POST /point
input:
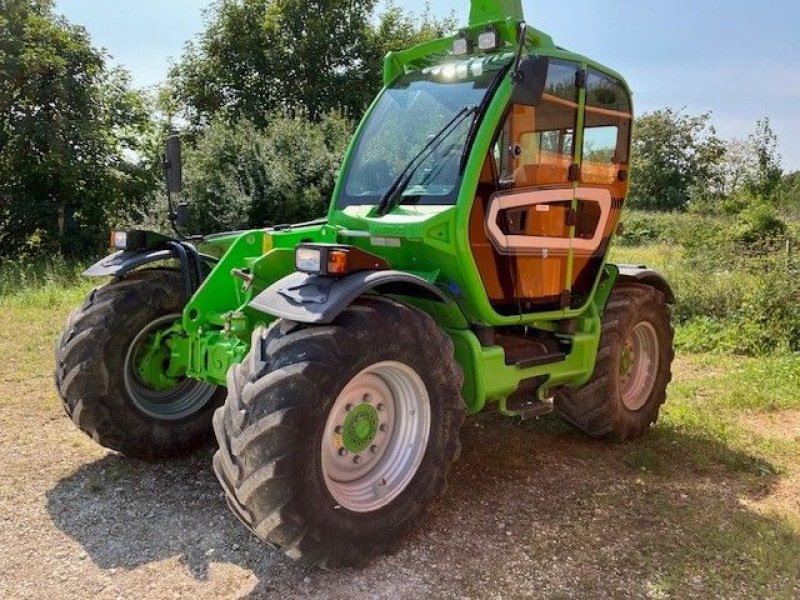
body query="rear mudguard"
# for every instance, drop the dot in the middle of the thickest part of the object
(641, 274)
(307, 298)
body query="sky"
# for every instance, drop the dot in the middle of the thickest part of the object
(734, 58)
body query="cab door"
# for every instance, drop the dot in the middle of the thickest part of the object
(603, 174)
(528, 220)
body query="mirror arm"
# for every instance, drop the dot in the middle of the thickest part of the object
(522, 34)
(172, 214)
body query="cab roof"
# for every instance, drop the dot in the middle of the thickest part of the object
(504, 16)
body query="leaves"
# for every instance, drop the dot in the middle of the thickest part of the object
(70, 130)
(300, 57)
(240, 176)
(673, 153)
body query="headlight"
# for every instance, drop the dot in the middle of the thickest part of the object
(334, 260)
(488, 40)
(308, 260)
(119, 240)
(461, 46)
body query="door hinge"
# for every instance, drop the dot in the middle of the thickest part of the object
(566, 299)
(574, 172)
(580, 79)
(570, 218)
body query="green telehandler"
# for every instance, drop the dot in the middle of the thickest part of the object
(461, 267)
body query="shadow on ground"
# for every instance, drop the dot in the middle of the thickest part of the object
(532, 509)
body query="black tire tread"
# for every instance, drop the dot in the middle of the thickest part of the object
(257, 428)
(592, 408)
(88, 383)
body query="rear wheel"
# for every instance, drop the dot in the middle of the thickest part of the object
(632, 370)
(111, 375)
(335, 439)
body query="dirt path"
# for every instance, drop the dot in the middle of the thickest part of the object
(533, 510)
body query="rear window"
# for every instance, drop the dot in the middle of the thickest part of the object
(606, 92)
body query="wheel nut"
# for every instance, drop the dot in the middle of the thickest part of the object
(373, 449)
(348, 407)
(342, 451)
(381, 406)
(384, 427)
(357, 459)
(366, 399)
(337, 429)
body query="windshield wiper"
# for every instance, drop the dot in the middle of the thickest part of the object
(399, 185)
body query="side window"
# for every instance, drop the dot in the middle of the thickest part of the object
(537, 144)
(606, 135)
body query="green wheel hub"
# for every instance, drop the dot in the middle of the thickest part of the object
(359, 428)
(150, 383)
(151, 363)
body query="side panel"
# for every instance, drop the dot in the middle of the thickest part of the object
(488, 379)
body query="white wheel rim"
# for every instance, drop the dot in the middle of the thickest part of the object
(371, 478)
(639, 365)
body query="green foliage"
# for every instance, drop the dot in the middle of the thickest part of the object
(642, 227)
(759, 224)
(23, 275)
(68, 129)
(764, 180)
(240, 176)
(735, 279)
(305, 57)
(674, 154)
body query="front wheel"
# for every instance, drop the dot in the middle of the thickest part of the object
(110, 370)
(335, 439)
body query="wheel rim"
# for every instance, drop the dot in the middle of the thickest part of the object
(179, 401)
(639, 365)
(375, 436)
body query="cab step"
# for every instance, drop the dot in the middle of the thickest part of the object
(531, 409)
(525, 349)
(524, 404)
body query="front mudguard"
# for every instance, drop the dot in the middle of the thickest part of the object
(318, 300)
(194, 266)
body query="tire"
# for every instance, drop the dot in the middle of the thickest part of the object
(96, 387)
(275, 429)
(612, 405)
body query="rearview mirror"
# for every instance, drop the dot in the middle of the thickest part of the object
(530, 80)
(173, 167)
(182, 214)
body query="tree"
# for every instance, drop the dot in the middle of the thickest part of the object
(241, 176)
(257, 58)
(398, 29)
(71, 134)
(675, 155)
(766, 173)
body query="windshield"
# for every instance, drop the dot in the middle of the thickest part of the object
(409, 114)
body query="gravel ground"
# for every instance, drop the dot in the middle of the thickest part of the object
(533, 510)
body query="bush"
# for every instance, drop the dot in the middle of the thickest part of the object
(238, 176)
(736, 279)
(759, 224)
(644, 227)
(737, 298)
(26, 274)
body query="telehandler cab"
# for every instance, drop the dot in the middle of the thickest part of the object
(461, 267)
